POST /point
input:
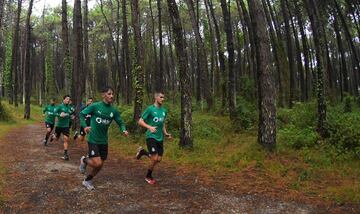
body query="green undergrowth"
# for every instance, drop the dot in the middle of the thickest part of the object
(302, 162)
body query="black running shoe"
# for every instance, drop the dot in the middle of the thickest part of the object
(65, 157)
(140, 153)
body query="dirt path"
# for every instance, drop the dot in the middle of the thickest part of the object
(38, 181)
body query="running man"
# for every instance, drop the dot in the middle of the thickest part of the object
(63, 113)
(153, 119)
(102, 114)
(81, 138)
(49, 113)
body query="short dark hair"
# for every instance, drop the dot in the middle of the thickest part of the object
(90, 98)
(66, 96)
(106, 89)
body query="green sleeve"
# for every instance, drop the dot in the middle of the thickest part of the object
(84, 112)
(45, 110)
(145, 114)
(119, 121)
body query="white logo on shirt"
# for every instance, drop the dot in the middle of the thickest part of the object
(111, 114)
(99, 112)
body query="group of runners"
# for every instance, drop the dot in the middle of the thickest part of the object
(95, 119)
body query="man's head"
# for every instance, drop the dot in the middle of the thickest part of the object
(89, 101)
(52, 101)
(108, 94)
(66, 99)
(159, 98)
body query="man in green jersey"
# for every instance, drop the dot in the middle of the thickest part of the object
(153, 119)
(63, 113)
(49, 113)
(102, 114)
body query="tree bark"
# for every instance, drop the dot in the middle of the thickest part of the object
(186, 140)
(266, 90)
(28, 71)
(290, 49)
(15, 59)
(139, 60)
(231, 59)
(78, 73)
(66, 47)
(202, 59)
(126, 54)
(313, 13)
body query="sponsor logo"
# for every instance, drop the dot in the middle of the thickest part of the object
(158, 119)
(111, 114)
(102, 121)
(92, 152)
(153, 149)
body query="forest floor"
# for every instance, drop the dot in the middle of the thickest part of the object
(37, 180)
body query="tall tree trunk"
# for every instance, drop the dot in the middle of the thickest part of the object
(86, 81)
(202, 59)
(28, 71)
(300, 69)
(78, 73)
(66, 65)
(186, 140)
(126, 54)
(267, 90)
(159, 75)
(343, 69)
(275, 47)
(114, 47)
(230, 50)
(290, 49)
(220, 54)
(356, 62)
(305, 48)
(139, 60)
(155, 64)
(252, 63)
(313, 13)
(15, 59)
(2, 50)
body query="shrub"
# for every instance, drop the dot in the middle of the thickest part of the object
(246, 114)
(345, 132)
(297, 138)
(4, 115)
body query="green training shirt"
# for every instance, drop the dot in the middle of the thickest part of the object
(154, 116)
(63, 122)
(102, 115)
(49, 112)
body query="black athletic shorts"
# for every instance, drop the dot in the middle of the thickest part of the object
(98, 150)
(82, 131)
(62, 130)
(49, 125)
(154, 146)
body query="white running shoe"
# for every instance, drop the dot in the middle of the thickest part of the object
(88, 185)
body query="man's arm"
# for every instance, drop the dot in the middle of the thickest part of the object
(83, 114)
(165, 131)
(120, 123)
(142, 123)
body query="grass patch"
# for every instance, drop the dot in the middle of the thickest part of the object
(301, 163)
